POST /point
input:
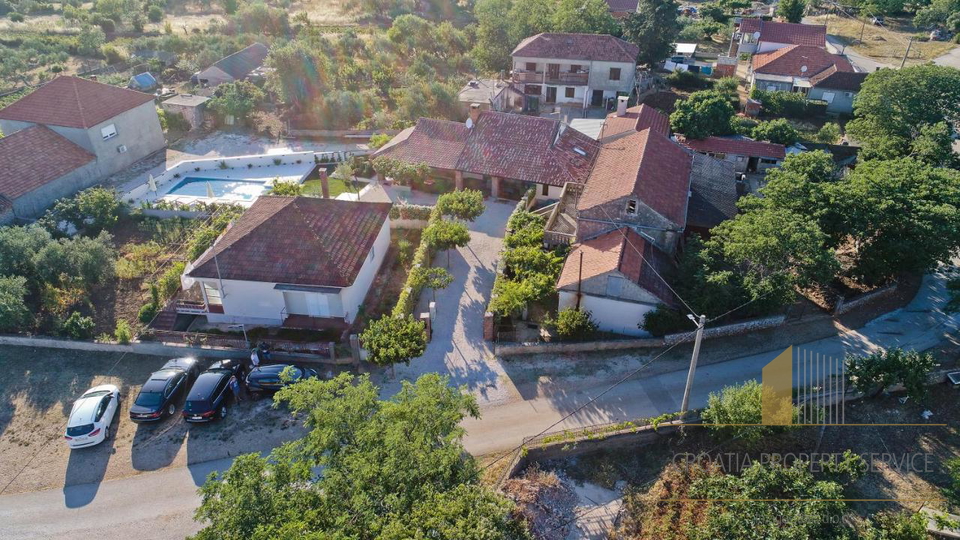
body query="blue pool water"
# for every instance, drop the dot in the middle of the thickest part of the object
(243, 190)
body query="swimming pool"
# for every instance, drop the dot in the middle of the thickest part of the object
(222, 188)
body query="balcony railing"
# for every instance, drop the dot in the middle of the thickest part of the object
(563, 77)
(568, 77)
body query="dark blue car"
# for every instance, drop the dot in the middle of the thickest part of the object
(210, 394)
(159, 396)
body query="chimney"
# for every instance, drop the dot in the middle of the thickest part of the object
(622, 105)
(324, 183)
(474, 114)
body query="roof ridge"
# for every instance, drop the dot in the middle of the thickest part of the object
(76, 94)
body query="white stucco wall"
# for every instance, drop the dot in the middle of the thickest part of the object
(610, 315)
(354, 295)
(553, 192)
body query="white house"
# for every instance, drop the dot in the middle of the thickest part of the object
(293, 261)
(607, 276)
(582, 70)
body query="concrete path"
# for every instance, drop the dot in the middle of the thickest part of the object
(457, 348)
(951, 59)
(160, 505)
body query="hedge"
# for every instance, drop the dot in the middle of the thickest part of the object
(410, 211)
(521, 207)
(410, 293)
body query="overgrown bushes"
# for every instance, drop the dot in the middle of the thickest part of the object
(787, 104)
(412, 287)
(874, 373)
(410, 211)
(573, 325)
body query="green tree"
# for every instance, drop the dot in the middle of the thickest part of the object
(897, 216)
(654, 29)
(90, 40)
(433, 278)
(82, 261)
(934, 145)
(286, 189)
(14, 313)
(703, 114)
(791, 10)
(390, 340)
(584, 17)
(465, 204)
(367, 469)
(493, 43)
(444, 235)
(874, 373)
(18, 246)
(155, 14)
(237, 99)
(776, 131)
(99, 209)
(894, 526)
(894, 104)
(529, 18)
(737, 411)
(777, 250)
(510, 297)
(828, 134)
(377, 140)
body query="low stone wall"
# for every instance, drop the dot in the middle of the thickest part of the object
(514, 349)
(729, 330)
(159, 349)
(845, 306)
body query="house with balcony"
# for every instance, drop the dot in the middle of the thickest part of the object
(754, 35)
(580, 70)
(794, 68)
(299, 262)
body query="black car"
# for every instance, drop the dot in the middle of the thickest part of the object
(208, 398)
(270, 378)
(163, 390)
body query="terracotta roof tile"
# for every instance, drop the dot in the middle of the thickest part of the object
(513, 146)
(73, 102)
(788, 33)
(838, 80)
(645, 164)
(736, 145)
(598, 47)
(791, 61)
(637, 118)
(297, 241)
(32, 157)
(623, 251)
(622, 6)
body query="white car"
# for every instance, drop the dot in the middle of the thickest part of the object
(91, 416)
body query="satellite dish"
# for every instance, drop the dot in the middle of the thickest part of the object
(756, 35)
(803, 69)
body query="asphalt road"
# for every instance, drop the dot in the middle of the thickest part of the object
(160, 504)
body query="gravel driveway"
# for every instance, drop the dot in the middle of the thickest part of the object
(457, 348)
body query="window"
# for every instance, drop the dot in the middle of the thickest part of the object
(828, 97)
(768, 161)
(214, 297)
(575, 68)
(614, 285)
(631, 207)
(614, 74)
(545, 191)
(108, 132)
(531, 66)
(568, 92)
(739, 159)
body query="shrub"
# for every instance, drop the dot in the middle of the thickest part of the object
(390, 340)
(874, 373)
(155, 14)
(123, 333)
(734, 406)
(828, 134)
(510, 297)
(14, 313)
(776, 131)
(77, 326)
(171, 121)
(404, 252)
(286, 189)
(786, 104)
(410, 211)
(574, 324)
(687, 80)
(464, 204)
(148, 312)
(16, 17)
(106, 24)
(377, 140)
(169, 282)
(952, 492)
(138, 22)
(663, 320)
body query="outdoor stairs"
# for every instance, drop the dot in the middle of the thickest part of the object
(546, 210)
(165, 320)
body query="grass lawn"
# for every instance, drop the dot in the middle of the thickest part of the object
(312, 187)
(886, 44)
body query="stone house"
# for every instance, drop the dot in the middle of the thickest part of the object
(235, 67)
(191, 107)
(754, 35)
(792, 69)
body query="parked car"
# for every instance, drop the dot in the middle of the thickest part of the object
(210, 394)
(91, 416)
(269, 378)
(877, 21)
(159, 396)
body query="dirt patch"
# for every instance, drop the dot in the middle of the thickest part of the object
(545, 501)
(886, 44)
(389, 282)
(38, 388)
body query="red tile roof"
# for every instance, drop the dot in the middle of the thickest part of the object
(835, 79)
(798, 61)
(73, 102)
(647, 165)
(622, 6)
(598, 47)
(736, 145)
(35, 156)
(637, 118)
(514, 146)
(788, 33)
(296, 241)
(624, 251)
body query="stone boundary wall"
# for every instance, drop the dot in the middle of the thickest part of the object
(845, 306)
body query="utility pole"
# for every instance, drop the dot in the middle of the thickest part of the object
(904, 61)
(862, 28)
(693, 363)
